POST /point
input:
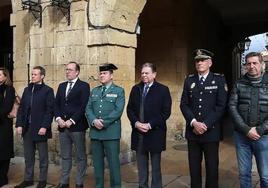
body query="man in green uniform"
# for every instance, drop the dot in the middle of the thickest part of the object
(103, 112)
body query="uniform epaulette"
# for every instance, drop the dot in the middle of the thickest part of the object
(190, 75)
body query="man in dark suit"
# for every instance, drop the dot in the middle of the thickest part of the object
(203, 103)
(148, 109)
(103, 112)
(71, 101)
(34, 120)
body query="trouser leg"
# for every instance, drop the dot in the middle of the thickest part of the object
(81, 157)
(43, 160)
(112, 150)
(97, 151)
(29, 156)
(66, 156)
(195, 159)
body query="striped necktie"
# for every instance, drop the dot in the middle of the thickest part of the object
(70, 88)
(145, 91)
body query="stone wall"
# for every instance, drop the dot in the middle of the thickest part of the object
(100, 31)
(103, 31)
(169, 54)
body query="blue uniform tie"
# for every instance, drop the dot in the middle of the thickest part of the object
(202, 80)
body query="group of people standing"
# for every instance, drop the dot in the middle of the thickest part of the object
(75, 108)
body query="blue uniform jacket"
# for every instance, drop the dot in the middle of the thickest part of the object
(206, 103)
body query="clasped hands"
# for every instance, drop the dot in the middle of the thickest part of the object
(142, 127)
(63, 124)
(98, 123)
(199, 127)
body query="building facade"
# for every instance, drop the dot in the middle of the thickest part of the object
(99, 31)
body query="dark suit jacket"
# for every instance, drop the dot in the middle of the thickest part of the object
(36, 111)
(206, 103)
(7, 97)
(157, 109)
(73, 106)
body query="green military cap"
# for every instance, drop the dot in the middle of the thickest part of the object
(107, 67)
(202, 54)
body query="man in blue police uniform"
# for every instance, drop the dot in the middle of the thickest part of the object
(203, 103)
(104, 109)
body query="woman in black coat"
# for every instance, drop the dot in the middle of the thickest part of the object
(7, 97)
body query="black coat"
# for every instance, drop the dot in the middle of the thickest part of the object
(74, 106)
(206, 103)
(248, 105)
(157, 109)
(6, 124)
(36, 111)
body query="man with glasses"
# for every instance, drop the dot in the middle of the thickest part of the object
(203, 103)
(71, 101)
(248, 107)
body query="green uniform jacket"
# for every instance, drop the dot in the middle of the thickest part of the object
(108, 107)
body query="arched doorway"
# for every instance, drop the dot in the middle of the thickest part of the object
(6, 36)
(169, 32)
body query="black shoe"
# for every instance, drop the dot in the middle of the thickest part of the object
(63, 186)
(79, 186)
(41, 184)
(24, 184)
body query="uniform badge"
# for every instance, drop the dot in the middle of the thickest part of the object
(192, 85)
(111, 95)
(225, 87)
(213, 82)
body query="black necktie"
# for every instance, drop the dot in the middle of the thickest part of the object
(103, 90)
(70, 88)
(202, 80)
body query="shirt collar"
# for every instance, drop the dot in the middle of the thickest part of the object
(150, 84)
(73, 81)
(107, 85)
(204, 76)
